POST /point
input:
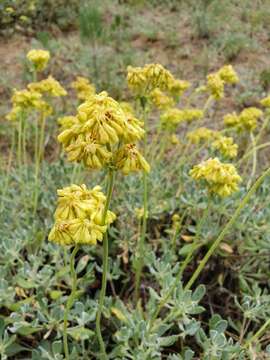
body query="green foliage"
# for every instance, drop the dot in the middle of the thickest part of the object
(27, 15)
(90, 21)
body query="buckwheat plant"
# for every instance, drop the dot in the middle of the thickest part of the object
(101, 136)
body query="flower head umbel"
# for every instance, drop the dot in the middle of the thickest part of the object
(246, 120)
(178, 87)
(216, 81)
(221, 179)
(26, 100)
(215, 85)
(83, 88)
(228, 74)
(48, 86)
(200, 135)
(98, 129)
(67, 122)
(79, 216)
(143, 80)
(39, 58)
(225, 145)
(172, 117)
(161, 100)
(129, 159)
(266, 102)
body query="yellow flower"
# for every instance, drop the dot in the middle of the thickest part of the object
(266, 102)
(246, 120)
(48, 86)
(25, 99)
(136, 79)
(127, 107)
(192, 114)
(9, 10)
(228, 74)
(67, 122)
(143, 80)
(95, 134)
(85, 149)
(225, 145)
(161, 100)
(172, 117)
(249, 117)
(200, 134)
(79, 216)
(215, 85)
(14, 114)
(231, 120)
(83, 88)
(178, 87)
(158, 76)
(174, 139)
(176, 221)
(102, 116)
(221, 179)
(24, 18)
(129, 159)
(39, 58)
(139, 212)
(134, 127)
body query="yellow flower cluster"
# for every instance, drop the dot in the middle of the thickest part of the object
(39, 58)
(221, 179)
(216, 81)
(225, 145)
(25, 100)
(48, 86)
(145, 79)
(83, 88)
(128, 159)
(99, 133)
(161, 100)
(215, 85)
(67, 121)
(246, 120)
(176, 221)
(79, 216)
(178, 87)
(200, 134)
(31, 98)
(228, 74)
(172, 117)
(266, 102)
(174, 139)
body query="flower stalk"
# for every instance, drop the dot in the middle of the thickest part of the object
(110, 185)
(70, 300)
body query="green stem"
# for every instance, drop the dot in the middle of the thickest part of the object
(36, 167)
(19, 149)
(258, 333)
(254, 162)
(9, 163)
(111, 177)
(70, 299)
(142, 239)
(141, 242)
(41, 140)
(197, 236)
(259, 147)
(227, 227)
